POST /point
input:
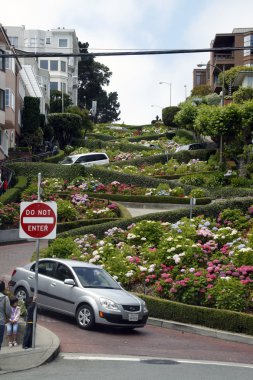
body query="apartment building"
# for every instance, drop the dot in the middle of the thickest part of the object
(226, 59)
(12, 92)
(63, 70)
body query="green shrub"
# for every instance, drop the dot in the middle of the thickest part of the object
(62, 248)
(228, 293)
(13, 194)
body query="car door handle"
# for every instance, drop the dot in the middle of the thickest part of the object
(30, 277)
(53, 284)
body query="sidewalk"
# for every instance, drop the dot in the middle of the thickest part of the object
(47, 347)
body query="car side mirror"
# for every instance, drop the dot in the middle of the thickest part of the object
(69, 281)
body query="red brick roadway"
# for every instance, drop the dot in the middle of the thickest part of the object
(149, 341)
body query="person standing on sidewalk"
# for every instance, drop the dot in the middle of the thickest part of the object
(27, 340)
(5, 310)
(12, 325)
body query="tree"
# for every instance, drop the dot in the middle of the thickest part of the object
(91, 79)
(31, 133)
(201, 90)
(87, 124)
(231, 74)
(56, 101)
(66, 126)
(225, 122)
(168, 114)
(186, 116)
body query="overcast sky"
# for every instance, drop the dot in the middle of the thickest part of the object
(139, 24)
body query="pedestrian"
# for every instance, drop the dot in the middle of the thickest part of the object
(30, 306)
(13, 323)
(5, 185)
(5, 310)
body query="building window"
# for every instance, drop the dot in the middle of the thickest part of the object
(9, 99)
(63, 66)
(13, 41)
(2, 96)
(54, 65)
(48, 41)
(44, 64)
(53, 86)
(10, 64)
(63, 42)
(248, 41)
(2, 61)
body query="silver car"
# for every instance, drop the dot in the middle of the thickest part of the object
(82, 290)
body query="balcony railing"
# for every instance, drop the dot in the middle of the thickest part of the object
(223, 57)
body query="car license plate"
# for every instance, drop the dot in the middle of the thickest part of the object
(133, 317)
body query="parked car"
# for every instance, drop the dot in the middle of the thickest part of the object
(82, 290)
(194, 146)
(86, 159)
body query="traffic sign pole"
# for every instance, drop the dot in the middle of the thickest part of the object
(36, 274)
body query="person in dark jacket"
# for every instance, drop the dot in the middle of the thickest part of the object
(5, 310)
(28, 335)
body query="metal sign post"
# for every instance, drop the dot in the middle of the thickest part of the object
(36, 272)
(192, 203)
(38, 220)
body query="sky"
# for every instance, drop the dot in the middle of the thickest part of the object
(139, 24)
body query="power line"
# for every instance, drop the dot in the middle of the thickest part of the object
(23, 54)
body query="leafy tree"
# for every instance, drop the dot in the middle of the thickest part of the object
(87, 124)
(31, 133)
(92, 77)
(168, 114)
(186, 116)
(212, 99)
(66, 126)
(243, 94)
(56, 101)
(231, 74)
(201, 90)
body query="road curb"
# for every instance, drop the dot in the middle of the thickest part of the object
(201, 330)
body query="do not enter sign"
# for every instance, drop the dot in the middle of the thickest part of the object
(38, 220)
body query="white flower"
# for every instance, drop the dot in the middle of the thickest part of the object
(142, 269)
(192, 270)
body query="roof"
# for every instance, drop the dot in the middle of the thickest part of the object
(242, 30)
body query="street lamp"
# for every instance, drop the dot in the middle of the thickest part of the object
(62, 98)
(169, 84)
(155, 105)
(185, 91)
(222, 94)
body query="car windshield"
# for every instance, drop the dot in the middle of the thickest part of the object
(95, 278)
(67, 160)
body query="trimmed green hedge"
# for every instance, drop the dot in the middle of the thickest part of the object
(66, 226)
(172, 216)
(13, 194)
(56, 158)
(149, 199)
(31, 170)
(197, 315)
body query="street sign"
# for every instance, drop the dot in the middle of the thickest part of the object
(38, 220)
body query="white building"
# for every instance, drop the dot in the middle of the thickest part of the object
(63, 70)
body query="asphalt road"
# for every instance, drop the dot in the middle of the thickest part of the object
(90, 368)
(150, 341)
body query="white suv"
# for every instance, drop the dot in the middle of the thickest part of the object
(87, 159)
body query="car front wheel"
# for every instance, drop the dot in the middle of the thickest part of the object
(21, 294)
(85, 317)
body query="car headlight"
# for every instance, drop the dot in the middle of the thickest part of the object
(145, 309)
(108, 304)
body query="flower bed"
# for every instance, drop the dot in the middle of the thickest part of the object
(199, 261)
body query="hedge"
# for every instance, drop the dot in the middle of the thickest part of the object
(13, 194)
(149, 199)
(56, 158)
(198, 315)
(172, 216)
